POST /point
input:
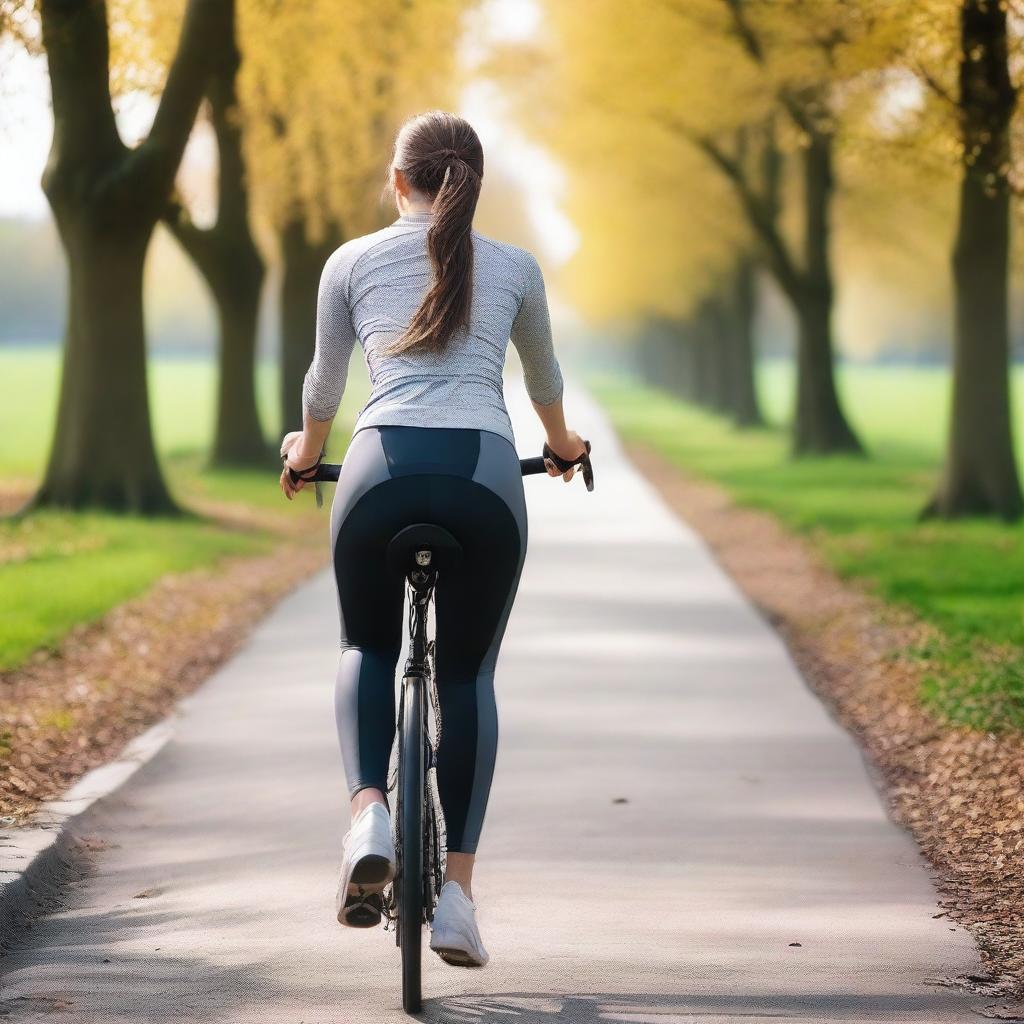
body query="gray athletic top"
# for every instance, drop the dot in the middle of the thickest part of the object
(369, 290)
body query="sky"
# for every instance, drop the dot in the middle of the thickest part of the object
(26, 127)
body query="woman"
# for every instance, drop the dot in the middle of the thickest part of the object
(433, 305)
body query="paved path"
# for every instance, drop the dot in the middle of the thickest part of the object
(632, 669)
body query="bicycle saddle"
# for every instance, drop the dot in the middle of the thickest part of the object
(445, 550)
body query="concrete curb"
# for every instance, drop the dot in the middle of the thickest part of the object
(36, 858)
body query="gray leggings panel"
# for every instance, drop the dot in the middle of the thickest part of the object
(468, 482)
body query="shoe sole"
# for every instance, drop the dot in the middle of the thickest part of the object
(362, 911)
(457, 957)
(364, 906)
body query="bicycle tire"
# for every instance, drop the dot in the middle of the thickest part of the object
(411, 784)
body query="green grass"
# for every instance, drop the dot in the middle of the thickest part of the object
(69, 569)
(896, 410)
(181, 391)
(58, 570)
(963, 577)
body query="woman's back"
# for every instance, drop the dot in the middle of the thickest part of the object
(371, 287)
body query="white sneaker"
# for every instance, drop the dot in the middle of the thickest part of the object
(454, 935)
(367, 865)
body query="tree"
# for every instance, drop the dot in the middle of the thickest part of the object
(232, 267)
(743, 404)
(106, 199)
(980, 475)
(820, 425)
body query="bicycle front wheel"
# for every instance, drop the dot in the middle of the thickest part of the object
(411, 783)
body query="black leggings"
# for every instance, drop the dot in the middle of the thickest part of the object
(467, 481)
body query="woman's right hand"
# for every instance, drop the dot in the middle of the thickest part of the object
(294, 458)
(569, 447)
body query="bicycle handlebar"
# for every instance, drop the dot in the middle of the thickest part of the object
(328, 472)
(531, 467)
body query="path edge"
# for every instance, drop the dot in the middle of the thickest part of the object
(37, 859)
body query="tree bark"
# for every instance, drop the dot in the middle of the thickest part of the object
(303, 263)
(103, 453)
(820, 426)
(238, 438)
(228, 259)
(980, 474)
(106, 200)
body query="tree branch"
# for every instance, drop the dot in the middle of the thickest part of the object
(745, 32)
(755, 48)
(759, 214)
(199, 243)
(935, 85)
(761, 211)
(232, 185)
(78, 54)
(206, 36)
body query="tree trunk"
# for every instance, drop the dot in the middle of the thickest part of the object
(231, 266)
(238, 440)
(720, 351)
(820, 426)
(106, 201)
(303, 263)
(980, 475)
(103, 453)
(746, 412)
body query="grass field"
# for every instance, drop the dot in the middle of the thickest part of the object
(964, 577)
(58, 570)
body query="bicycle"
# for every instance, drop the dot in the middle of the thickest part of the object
(421, 552)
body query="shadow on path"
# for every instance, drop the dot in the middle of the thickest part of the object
(599, 1008)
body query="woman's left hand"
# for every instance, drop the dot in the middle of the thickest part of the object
(295, 458)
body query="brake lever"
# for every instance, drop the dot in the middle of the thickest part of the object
(587, 468)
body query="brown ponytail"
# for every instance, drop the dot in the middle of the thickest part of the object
(441, 157)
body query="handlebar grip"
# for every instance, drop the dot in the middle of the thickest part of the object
(328, 473)
(532, 467)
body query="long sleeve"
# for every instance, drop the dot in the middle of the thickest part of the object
(531, 336)
(324, 383)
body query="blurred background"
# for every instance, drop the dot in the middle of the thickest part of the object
(778, 236)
